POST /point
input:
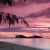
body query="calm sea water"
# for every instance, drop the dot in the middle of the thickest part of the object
(37, 43)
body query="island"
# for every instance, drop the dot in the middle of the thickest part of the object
(22, 36)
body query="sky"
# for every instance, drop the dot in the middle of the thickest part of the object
(35, 12)
(32, 12)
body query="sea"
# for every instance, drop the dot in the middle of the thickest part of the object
(39, 43)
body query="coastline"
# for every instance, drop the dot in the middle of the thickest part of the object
(9, 46)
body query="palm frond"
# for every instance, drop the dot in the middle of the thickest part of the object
(16, 19)
(11, 19)
(25, 22)
(0, 18)
(9, 2)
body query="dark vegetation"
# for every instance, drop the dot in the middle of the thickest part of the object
(22, 36)
(9, 2)
(11, 19)
(12, 2)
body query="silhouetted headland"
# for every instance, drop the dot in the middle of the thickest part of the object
(22, 36)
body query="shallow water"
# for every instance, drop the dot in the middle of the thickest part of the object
(36, 43)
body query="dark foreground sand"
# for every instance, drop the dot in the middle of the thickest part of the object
(8, 46)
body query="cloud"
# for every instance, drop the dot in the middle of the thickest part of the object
(45, 12)
(48, 13)
(41, 1)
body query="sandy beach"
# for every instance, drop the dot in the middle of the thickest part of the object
(8, 46)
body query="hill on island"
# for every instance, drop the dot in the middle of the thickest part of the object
(37, 36)
(22, 36)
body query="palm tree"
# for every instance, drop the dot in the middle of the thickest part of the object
(0, 18)
(15, 18)
(21, 21)
(11, 22)
(11, 19)
(3, 2)
(25, 22)
(21, 0)
(9, 2)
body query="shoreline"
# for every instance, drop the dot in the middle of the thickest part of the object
(9, 46)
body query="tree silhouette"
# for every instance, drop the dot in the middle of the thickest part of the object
(3, 2)
(25, 22)
(21, 21)
(21, 0)
(9, 2)
(11, 19)
(0, 18)
(16, 19)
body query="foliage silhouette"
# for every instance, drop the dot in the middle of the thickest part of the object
(15, 18)
(9, 2)
(11, 19)
(0, 18)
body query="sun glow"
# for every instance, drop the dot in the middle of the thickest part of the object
(23, 33)
(11, 34)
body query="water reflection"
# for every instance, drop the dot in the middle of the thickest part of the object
(37, 43)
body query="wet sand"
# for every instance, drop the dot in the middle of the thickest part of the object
(8, 46)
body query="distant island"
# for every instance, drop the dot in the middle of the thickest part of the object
(22, 36)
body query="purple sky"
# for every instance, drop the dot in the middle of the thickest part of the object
(36, 12)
